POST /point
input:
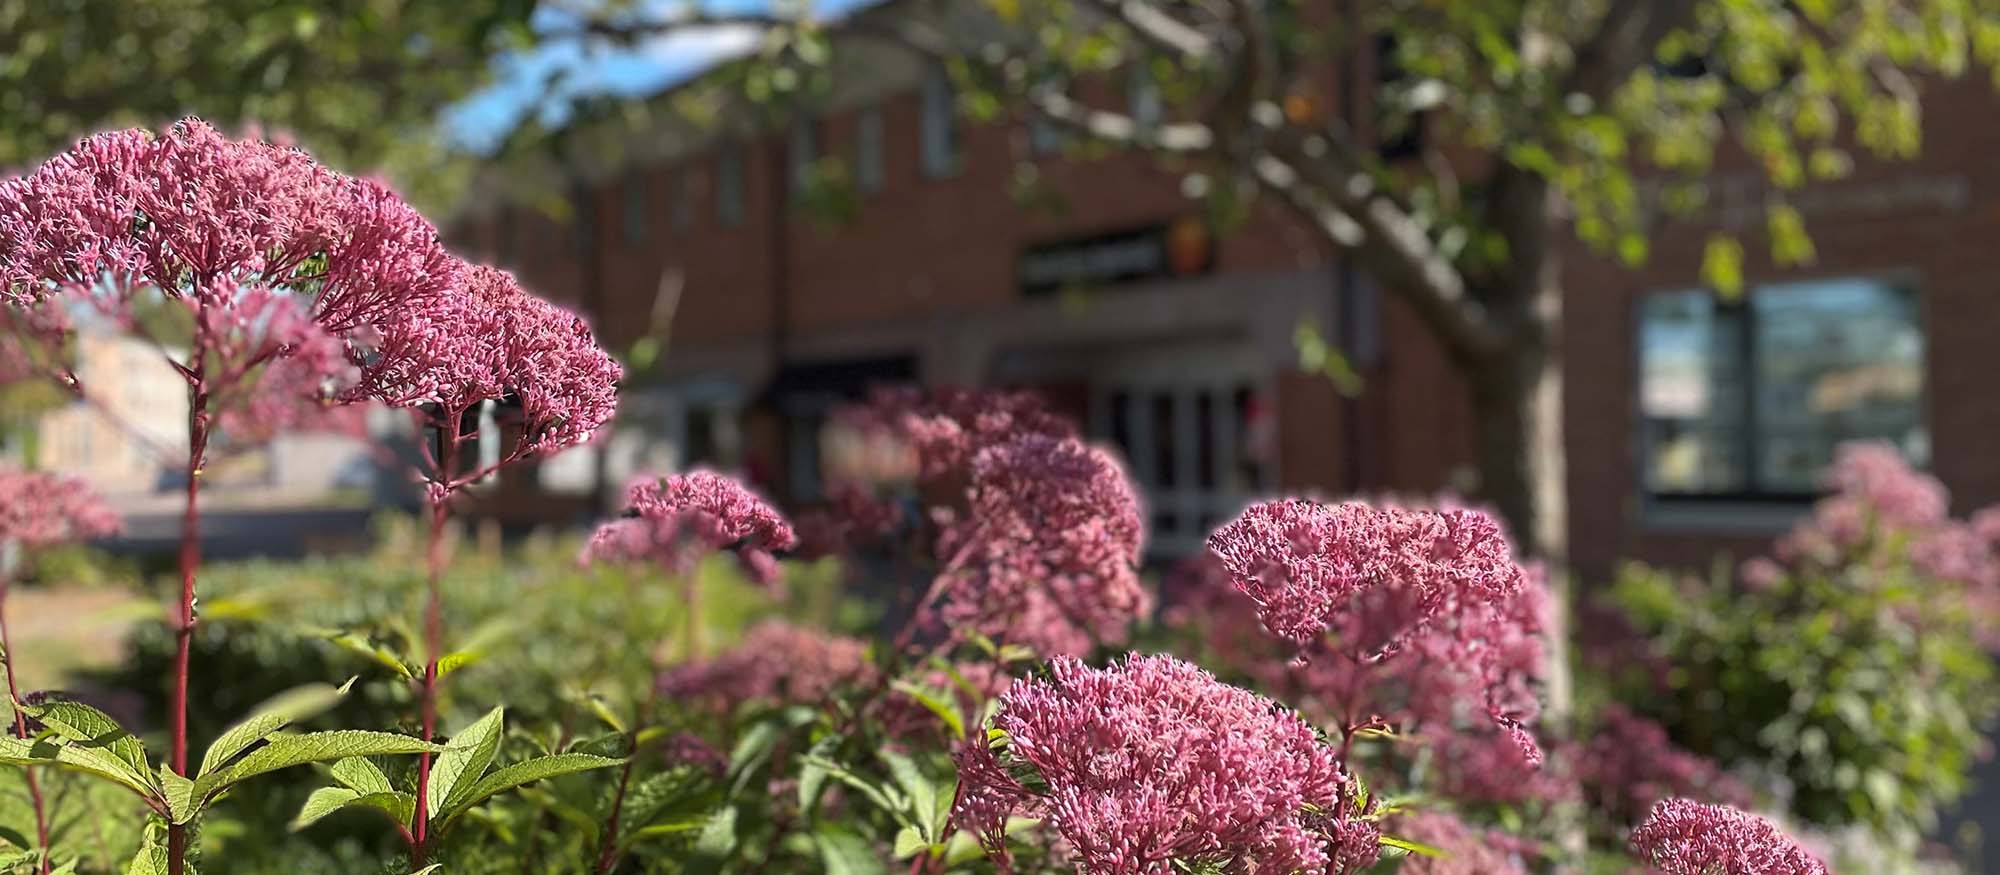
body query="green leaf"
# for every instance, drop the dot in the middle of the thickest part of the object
(280, 711)
(322, 802)
(1418, 848)
(919, 790)
(427, 870)
(292, 750)
(812, 772)
(89, 760)
(151, 860)
(525, 772)
(876, 794)
(909, 843)
(89, 727)
(179, 793)
(844, 853)
(361, 775)
(464, 759)
(1722, 266)
(355, 642)
(716, 842)
(943, 708)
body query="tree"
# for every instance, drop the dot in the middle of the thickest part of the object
(361, 81)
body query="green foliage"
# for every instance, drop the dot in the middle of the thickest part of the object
(1863, 686)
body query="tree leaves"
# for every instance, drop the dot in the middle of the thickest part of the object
(88, 727)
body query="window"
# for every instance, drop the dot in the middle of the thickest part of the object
(634, 200)
(686, 192)
(940, 126)
(729, 186)
(1747, 399)
(1142, 98)
(804, 153)
(1198, 451)
(1399, 128)
(868, 150)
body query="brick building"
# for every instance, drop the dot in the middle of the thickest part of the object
(1693, 422)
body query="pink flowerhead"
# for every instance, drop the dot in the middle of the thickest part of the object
(1302, 561)
(190, 210)
(1630, 764)
(775, 662)
(1683, 837)
(39, 510)
(487, 340)
(852, 517)
(676, 520)
(1152, 761)
(949, 427)
(1047, 555)
(1463, 850)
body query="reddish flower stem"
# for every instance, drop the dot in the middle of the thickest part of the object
(184, 619)
(447, 463)
(21, 729)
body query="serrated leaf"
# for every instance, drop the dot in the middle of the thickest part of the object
(525, 772)
(278, 712)
(361, 775)
(657, 794)
(179, 794)
(322, 802)
(844, 853)
(89, 727)
(292, 750)
(718, 836)
(151, 860)
(464, 759)
(908, 843)
(89, 760)
(427, 870)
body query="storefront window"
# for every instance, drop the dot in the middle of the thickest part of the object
(1747, 399)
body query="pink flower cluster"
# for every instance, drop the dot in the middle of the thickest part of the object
(487, 340)
(949, 427)
(1394, 611)
(200, 217)
(775, 662)
(1047, 553)
(1630, 764)
(1152, 762)
(675, 521)
(852, 517)
(1682, 837)
(1302, 561)
(1463, 849)
(39, 510)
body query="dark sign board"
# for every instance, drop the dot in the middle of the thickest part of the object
(1169, 249)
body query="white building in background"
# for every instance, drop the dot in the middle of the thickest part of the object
(122, 441)
(130, 438)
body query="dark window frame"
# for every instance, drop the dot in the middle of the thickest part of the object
(1751, 440)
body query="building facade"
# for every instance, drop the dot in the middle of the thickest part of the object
(988, 254)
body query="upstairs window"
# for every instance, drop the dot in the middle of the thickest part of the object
(1747, 399)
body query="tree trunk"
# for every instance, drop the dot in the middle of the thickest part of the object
(1517, 400)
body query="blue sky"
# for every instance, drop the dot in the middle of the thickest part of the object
(521, 87)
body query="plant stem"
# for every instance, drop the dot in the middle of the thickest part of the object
(608, 857)
(440, 498)
(190, 562)
(20, 719)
